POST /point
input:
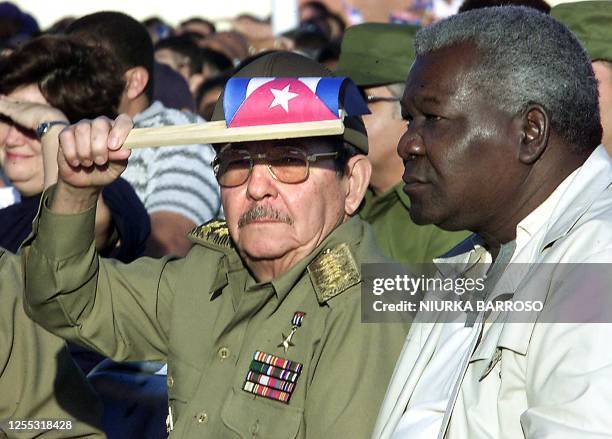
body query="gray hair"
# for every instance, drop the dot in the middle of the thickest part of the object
(526, 58)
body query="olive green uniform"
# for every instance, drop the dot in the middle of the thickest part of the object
(398, 236)
(38, 379)
(207, 317)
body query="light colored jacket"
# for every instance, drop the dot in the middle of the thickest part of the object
(535, 380)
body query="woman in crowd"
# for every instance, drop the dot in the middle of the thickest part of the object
(56, 79)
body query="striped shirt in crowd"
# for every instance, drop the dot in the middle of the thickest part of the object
(177, 178)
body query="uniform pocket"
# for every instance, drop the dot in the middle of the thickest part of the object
(249, 415)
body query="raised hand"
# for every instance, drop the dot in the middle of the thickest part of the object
(29, 115)
(89, 158)
(90, 154)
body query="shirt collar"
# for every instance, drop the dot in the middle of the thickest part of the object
(465, 255)
(587, 185)
(349, 232)
(9, 196)
(538, 218)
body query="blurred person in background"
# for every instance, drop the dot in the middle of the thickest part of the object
(444, 8)
(257, 31)
(378, 57)
(171, 89)
(232, 44)
(177, 184)
(59, 80)
(198, 26)
(310, 37)
(313, 9)
(208, 94)
(330, 55)
(214, 63)
(16, 26)
(590, 21)
(194, 63)
(337, 26)
(183, 55)
(158, 29)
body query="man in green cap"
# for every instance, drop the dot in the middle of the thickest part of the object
(378, 57)
(590, 21)
(260, 323)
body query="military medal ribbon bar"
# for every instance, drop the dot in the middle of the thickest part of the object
(272, 377)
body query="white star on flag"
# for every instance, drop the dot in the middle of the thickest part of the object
(282, 98)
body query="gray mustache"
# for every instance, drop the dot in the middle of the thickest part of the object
(263, 212)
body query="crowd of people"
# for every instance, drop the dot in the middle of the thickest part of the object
(217, 290)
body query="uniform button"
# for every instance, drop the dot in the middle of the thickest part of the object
(202, 418)
(254, 428)
(223, 353)
(170, 381)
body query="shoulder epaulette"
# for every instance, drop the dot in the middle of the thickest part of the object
(213, 232)
(333, 271)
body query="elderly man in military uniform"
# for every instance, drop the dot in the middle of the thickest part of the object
(260, 322)
(377, 56)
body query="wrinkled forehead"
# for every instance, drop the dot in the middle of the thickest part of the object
(308, 144)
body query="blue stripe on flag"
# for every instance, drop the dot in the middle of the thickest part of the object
(234, 96)
(328, 91)
(354, 104)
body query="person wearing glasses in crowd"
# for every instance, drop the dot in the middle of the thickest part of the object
(377, 57)
(260, 323)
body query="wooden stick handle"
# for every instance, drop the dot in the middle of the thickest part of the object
(217, 132)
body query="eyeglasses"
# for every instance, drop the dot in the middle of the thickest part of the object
(374, 99)
(233, 167)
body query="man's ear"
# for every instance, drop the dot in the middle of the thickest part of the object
(358, 171)
(535, 130)
(136, 80)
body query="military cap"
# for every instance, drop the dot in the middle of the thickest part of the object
(289, 65)
(590, 21)
(376, 53)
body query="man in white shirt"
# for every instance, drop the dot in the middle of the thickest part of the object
(503, 140)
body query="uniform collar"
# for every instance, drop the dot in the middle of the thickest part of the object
(349, 233)
(338, 247)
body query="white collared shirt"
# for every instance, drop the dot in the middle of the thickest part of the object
(9, 196)
(437, 388)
